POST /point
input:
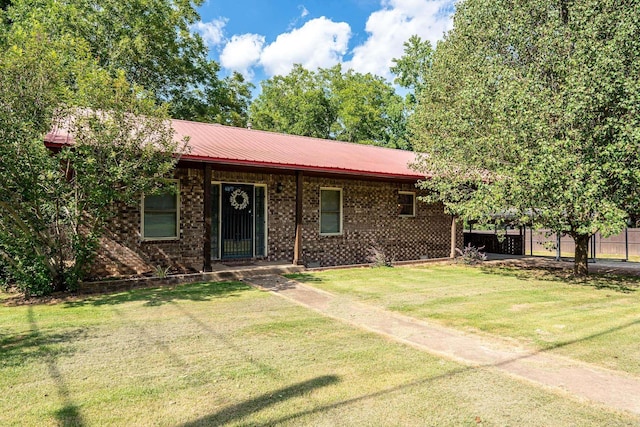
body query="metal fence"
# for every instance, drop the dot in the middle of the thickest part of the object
(623, 245)
(526, 241)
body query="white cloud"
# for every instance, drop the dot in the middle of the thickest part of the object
(391, 26)
(242, 52)
(212, 32)
(319, 42)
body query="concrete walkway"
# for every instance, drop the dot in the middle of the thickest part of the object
(615, 389)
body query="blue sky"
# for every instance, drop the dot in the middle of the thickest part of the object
(262, 38)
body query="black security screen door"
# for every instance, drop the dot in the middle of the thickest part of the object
(237, 221)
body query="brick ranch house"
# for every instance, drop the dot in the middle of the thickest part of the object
(244, 194)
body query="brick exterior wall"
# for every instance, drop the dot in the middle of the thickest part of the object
(369, 217)
(124, 253)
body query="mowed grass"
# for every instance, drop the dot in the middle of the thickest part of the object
(227, 354)
(595, 320)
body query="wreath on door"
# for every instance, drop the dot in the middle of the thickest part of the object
(239, 199)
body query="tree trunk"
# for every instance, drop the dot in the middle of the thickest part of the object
(59, 284)
(581, 264)
(564, 11)
(454, 234)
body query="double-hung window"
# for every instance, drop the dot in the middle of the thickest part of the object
(161, 214)
(330, 211)
(406, 203)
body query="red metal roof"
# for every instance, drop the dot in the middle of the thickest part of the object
(220, 144)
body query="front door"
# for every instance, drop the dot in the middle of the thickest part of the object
(237, 231)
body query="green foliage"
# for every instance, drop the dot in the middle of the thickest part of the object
(53, 205)
(151, 41)
(533, 107)
(330, 103)
(412, 68)
(225, 102)
(161, 272)
(297, 103)
(369, 111)
(30, 273)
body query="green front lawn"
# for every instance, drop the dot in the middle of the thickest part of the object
(227, 354)
(596, 320)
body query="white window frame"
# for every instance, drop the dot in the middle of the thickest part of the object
(340, 232)
(142, 209)
(413, 194)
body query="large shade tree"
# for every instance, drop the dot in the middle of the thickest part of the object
(412, 67)
(332, 103)
(54, 204)
(298, 104)
(533, 109)
(153, 43)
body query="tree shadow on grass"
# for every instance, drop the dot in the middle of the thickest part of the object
(18, 350)
(304, 277)
(160, 296)
(68, 414)
(248, 407)
(611, 330)
(613, 282)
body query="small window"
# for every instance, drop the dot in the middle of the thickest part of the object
(330, 211)
(406, 203)
(160, 215)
